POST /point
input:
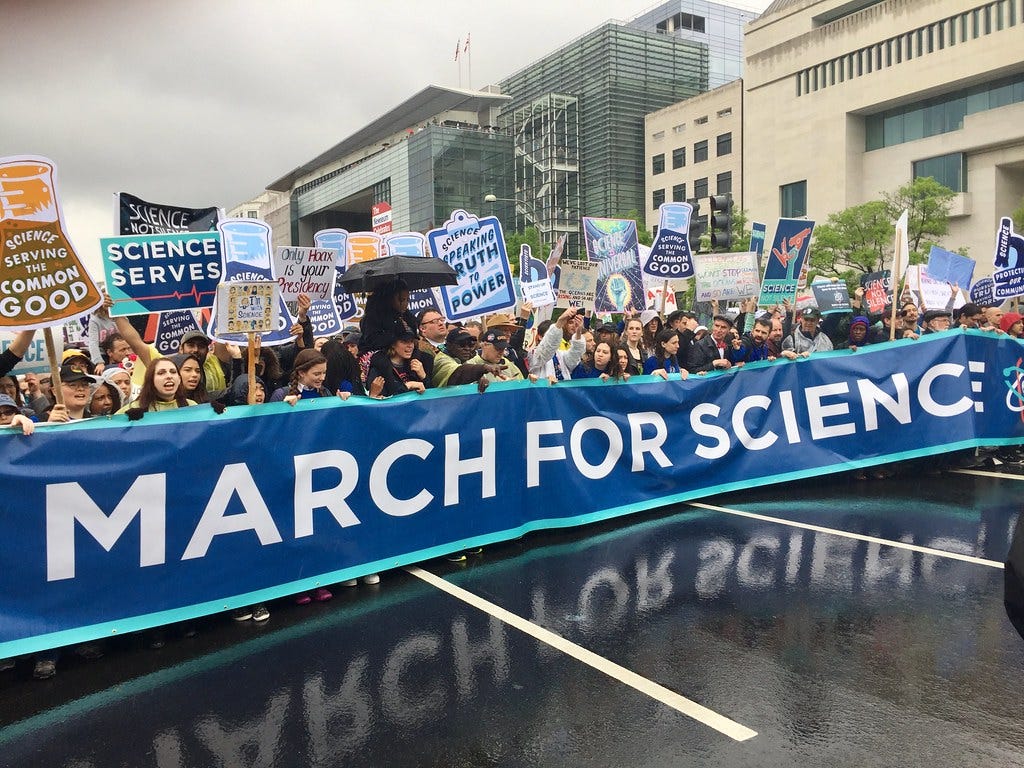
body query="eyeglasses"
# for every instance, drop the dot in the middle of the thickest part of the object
(435, 320)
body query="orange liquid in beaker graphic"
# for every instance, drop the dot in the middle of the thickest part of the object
(43, 279)
(26, 192)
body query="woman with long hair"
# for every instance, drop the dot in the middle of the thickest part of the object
(664, 361)
(307, 379)
(192, 379)
(604, 366)
(633, 343)
(652, 325)
(161, 388)
(397, 368)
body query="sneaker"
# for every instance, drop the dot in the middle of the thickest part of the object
(475, 551)
(322, 595)
(456, 557)
(241, 614)
(260, 613)
(45, 669)
(6, 664)
(373, 578)
(349, 583)
(303, 599)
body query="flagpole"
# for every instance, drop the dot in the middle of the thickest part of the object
(469, 64)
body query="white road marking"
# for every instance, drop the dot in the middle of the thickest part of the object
(983, 473)
(671, 699)
(859, 536)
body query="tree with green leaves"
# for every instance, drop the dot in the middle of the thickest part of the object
(860, 239)
(1018, 217)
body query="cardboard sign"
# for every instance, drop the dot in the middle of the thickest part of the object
(248, 306)
(42, 280)
(160, 273)
(535, 284)
(475, 249)
(670, 253)
(246, 257)
(786, 261)
(308, 271)
(1008, 262)
(932, 293)
(577, 285)
(171, 326)
(726, 276)
(949, 267)
(612, 244)
(877, 291)
(831, 297)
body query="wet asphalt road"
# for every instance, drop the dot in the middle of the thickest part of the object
(836, 651)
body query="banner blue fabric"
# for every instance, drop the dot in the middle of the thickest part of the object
(111, 526)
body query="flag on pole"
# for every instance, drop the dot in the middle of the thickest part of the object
(465, 48)
(458, 45)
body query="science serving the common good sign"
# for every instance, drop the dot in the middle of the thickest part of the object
(209, 512)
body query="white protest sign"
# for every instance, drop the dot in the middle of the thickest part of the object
(652, 298)
(247, 307)
(577, 284)
(305, 270)
(35, 359)
(727, 276)
(932, 293)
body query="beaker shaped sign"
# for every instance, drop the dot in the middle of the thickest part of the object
(42, 280)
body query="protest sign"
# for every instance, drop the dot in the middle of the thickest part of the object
(983, 293)
(877, 290)
(670, 256)
(948, 267)
(540, 314)
(42, 280)
(577, 285)
(758, 232)
(413, 244)
(35, 359)
(171, 327)
(327, 316)
(246, 257)
(931, 293)
(214, 512)
(535, 283)
(475, 249)
(248, 306)
(726, 276)
(163, 272)
(308, 271)
(612, 245)
(1008, 262)
(831, 297)
(785, 263)
(657, 298)
(135, 216)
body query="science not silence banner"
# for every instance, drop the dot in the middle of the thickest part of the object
(209, 512)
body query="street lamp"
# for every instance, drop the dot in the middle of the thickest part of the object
(531, 212)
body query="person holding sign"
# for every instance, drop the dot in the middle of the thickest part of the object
(561, 347)
(75, 385)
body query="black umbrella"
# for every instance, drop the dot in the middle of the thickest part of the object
(416, 271)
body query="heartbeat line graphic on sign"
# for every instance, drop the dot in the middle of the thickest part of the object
(195, 293)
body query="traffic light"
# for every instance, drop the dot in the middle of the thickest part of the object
(696, 226)
(721, 222)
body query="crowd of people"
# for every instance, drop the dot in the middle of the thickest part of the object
(392, 352)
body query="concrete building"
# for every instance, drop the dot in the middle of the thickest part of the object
(695, 149)
(847, 99)
(437, 151)
(271, 207)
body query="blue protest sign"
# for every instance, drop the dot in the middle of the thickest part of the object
(785, 262)
(983, 293)
(247, 257)
(330, 316)
(475, 249)
(758, 232)
(670, 257)
(949, 267)
(612, 244)
(831, 297)
(170, 327)
(1008, 262)
(158, 273)
(211, 512)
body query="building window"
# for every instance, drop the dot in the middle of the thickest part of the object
(657, 198)
(658, 135)
(701, 120)
(948, 170)
(658, 164)
(793, 199)
(724, 183)
(700, 188)
(678, 157)
(724, 144)
(253, 214)
(725, 112)
(700, 151)
(679, 128)
(679, 193)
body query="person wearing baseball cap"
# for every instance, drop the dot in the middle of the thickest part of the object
(11, 416)
(806, 338)
(459, 347)
(74, 356)
(515, 329)
(75, 383)
(493, 346)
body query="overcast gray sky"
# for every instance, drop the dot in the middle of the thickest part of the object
(205, 102)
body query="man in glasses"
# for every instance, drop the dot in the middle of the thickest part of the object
(433, 332)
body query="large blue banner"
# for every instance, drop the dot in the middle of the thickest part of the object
(207, 512)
